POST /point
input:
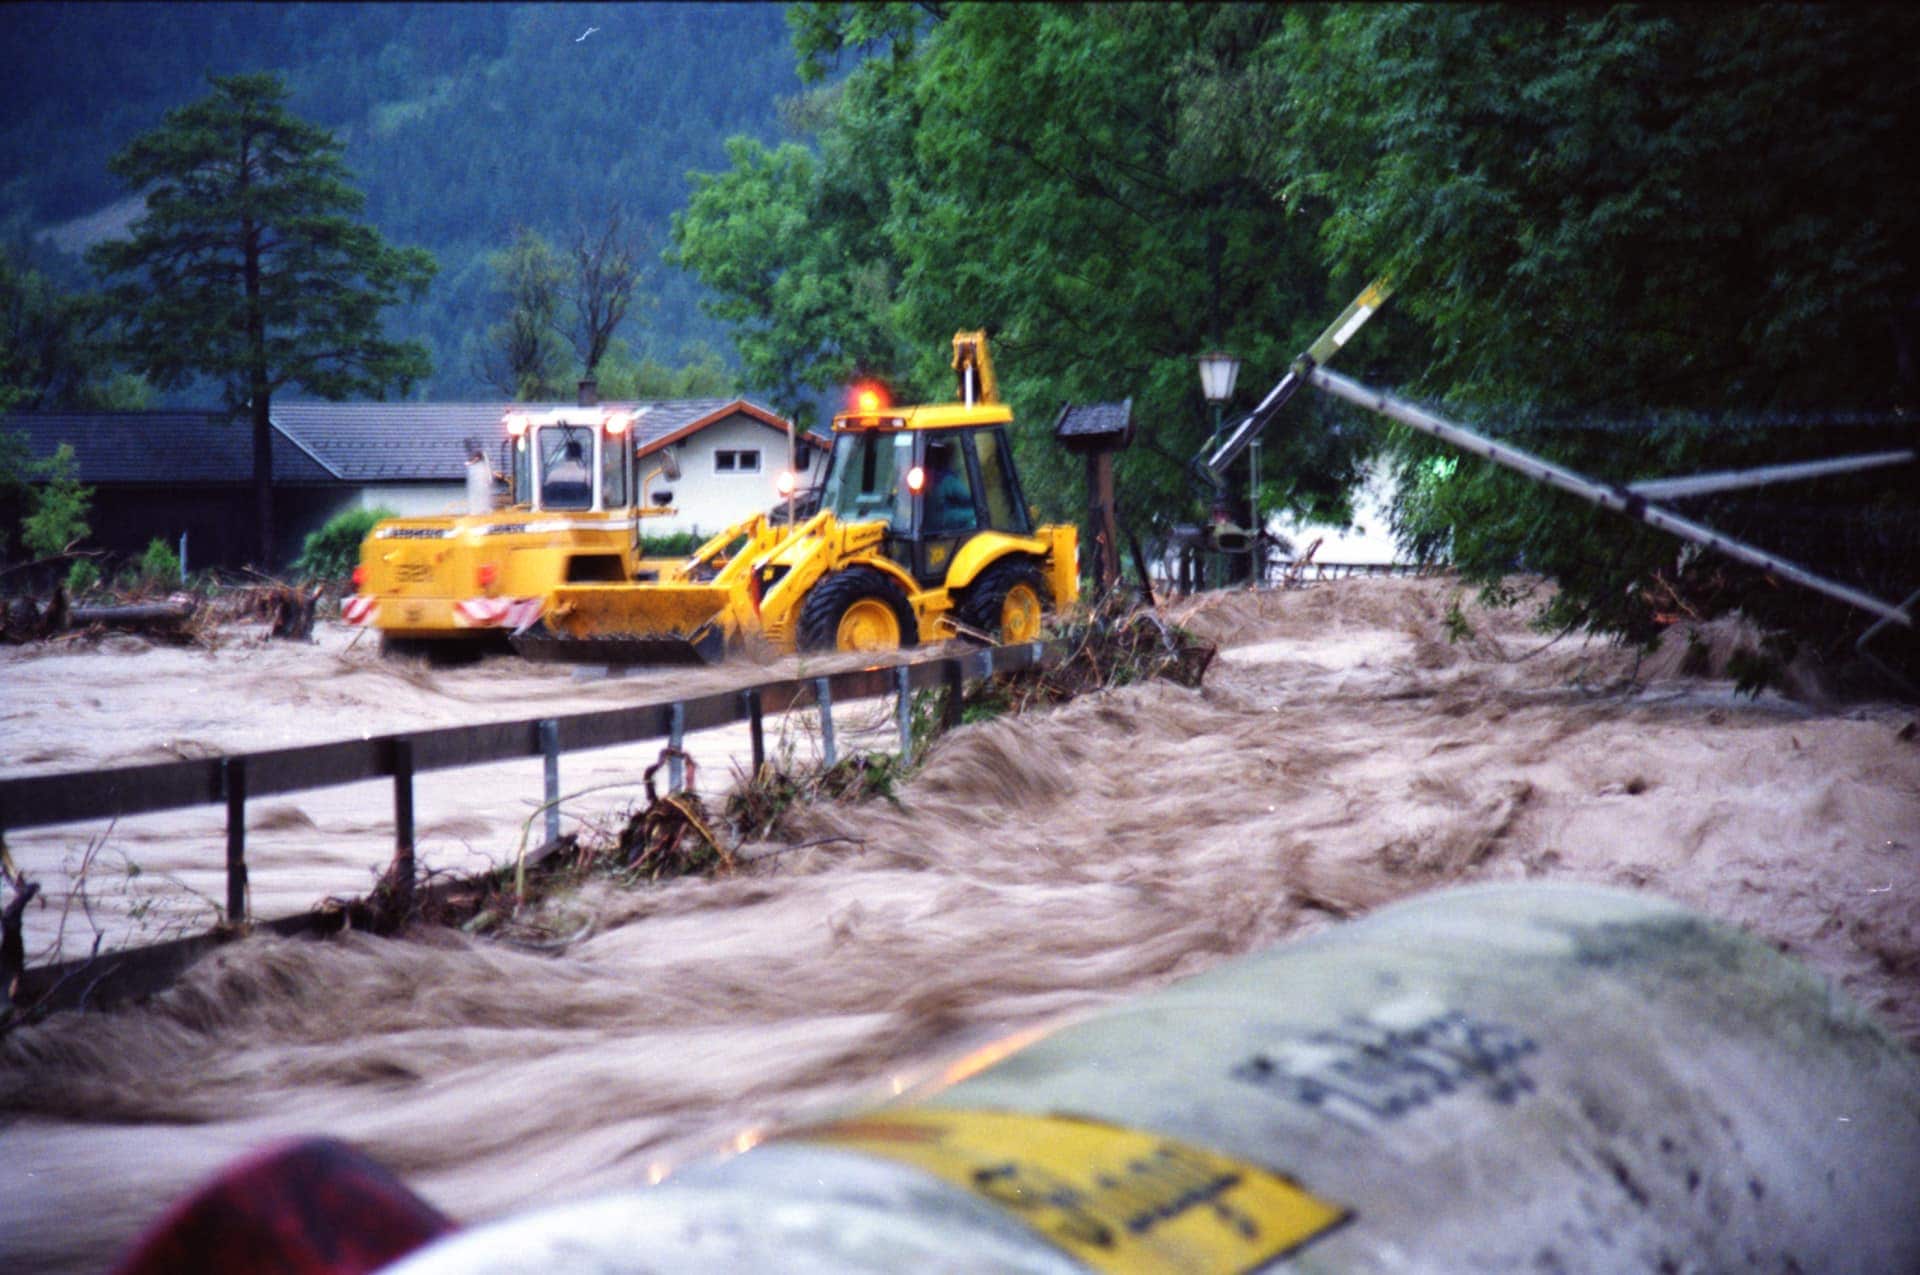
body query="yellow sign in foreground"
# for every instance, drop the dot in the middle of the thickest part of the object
(1118, 1199)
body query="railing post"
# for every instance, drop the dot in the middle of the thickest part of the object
(956, 679)
(233, 783)
(903, 711)
(823, 691)
(403, 826)
(756, 730)
(550, 776)
(676, 741)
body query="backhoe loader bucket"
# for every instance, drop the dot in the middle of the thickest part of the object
(631, 624)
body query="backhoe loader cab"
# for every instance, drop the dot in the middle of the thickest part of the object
(936, 488)
(446, 584)
(920, 532)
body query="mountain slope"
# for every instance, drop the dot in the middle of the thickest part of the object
(461, 122)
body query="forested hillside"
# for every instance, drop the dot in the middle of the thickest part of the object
(461, 123)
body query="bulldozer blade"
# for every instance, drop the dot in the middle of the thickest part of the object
(706, 645)
(668, 609)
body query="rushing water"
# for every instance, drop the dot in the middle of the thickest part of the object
(1341, 755)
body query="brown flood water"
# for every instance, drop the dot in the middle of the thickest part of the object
(1342, 755)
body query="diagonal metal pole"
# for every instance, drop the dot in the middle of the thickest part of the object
(1736, 479)
(1605, 495)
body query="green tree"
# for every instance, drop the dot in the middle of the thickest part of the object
(702, 373)
(51, 353)
(798, 269)
(42, 354)
(1659, 214)
(523, 355)
(248, 267)
(16, 488)
(1029, 169)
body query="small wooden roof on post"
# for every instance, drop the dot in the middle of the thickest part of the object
(1096, 431)
(1095, 427)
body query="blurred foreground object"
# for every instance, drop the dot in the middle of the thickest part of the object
(1536, 1077)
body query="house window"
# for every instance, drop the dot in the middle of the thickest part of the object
(737, 462)
(801, 458)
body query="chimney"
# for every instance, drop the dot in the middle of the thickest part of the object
(589, 392)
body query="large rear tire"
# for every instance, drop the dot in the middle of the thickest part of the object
(400, 648)
(1007, 601)
(857, 609)
(442, 652)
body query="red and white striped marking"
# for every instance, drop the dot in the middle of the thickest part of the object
(496, 613)
(359, 610)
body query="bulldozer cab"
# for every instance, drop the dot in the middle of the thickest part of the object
(572, 460)
(934, 488)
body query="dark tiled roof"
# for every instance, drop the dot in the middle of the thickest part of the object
(162, 447)
(399, 442)
(392, 442)
(1095, 420)
(319, 442)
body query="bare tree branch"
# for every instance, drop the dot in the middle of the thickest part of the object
(606, 262)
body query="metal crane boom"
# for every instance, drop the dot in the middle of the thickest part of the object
(1213, 465)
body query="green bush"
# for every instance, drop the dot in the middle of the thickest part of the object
(159, 564)
(59, 517)
(82, 575)
(680, 544)
(332, 552)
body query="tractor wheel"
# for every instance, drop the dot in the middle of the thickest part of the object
(1007, 600)
(399, 648)
(441, 652)
(857, 609)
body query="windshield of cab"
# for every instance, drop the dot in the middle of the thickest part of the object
(863, 481)
(566, 452)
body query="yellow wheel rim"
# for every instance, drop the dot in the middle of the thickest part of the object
(1020, 614)
(868, 625)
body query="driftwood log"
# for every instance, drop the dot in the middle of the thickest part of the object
(24, 620)
(288, 612)
(133, 615)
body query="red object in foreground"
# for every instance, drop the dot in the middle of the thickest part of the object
(311, 1207)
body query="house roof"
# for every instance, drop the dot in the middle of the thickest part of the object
(399, 442)
(320, 442)
(163, 447)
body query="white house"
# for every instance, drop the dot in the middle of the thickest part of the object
(731, 455)
(411, 457)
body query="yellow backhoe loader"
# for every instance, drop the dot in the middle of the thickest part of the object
(452, 584)
(919, 531)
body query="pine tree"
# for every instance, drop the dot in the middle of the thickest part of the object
(247, 266)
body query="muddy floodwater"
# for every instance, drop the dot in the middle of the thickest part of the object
(1341, 755)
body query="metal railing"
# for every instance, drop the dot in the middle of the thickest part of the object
(36, 801)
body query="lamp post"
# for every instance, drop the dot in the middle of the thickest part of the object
(1218, 371)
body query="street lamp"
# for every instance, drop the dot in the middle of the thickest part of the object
(1218, 371)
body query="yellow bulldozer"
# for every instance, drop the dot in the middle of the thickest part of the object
(448, 585)
(919, 530)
